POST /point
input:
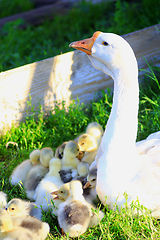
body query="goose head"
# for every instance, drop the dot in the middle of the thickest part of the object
(87, 142)
(109, 53)
(96, 130)
(71, 149)
(35, 156)
(76, 190)
(15, 207)
(46, 154)
(83, 169)
(55, 165)
(60, 150)
(63, 192)
(91, 179)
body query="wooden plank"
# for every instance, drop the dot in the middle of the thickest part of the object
(38, 15)
(45, 10)
(65, 77)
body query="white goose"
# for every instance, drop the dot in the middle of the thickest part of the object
(120, 167)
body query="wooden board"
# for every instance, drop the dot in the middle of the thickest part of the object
(44, 10)
(40, 14)
(65, 77)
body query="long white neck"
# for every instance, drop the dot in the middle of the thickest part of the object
(119, 138)
(122, 124)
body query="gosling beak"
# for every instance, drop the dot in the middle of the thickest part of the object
(87, 185)
(86, 44)
(80, 155)
(55, 193)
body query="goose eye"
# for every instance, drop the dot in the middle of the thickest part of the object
(105, 43)
(93, 180)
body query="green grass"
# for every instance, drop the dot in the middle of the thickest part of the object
(15, 6)
(64, 124)
(21, 46)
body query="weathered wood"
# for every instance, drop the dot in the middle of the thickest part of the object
(65, 77)
(47, 10)
(38, 15)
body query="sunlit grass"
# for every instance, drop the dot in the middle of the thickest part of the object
(66, 123)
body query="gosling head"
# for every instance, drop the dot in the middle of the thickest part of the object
(35, 156)
(87, 143)
(63, 192)
(72, 149)
(91, 179)
(15, 207)
(46, 154)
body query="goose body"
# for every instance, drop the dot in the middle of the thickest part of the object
(69, 160)
(10, 232)
(145, 146)
(36, 227)
(91, 184)
(51, 182)
(34, 176)
(60, 196)
(27, 228)
(120, 168)
(75, 213)
(19, 174)
(83, 169)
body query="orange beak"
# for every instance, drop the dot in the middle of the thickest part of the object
(87, 185)
(86, 44)
(80, 155)
(55, 193)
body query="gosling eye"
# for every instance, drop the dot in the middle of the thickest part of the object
(105, 43)
(61, 191)
(82, 143)
(60, 156)
(12, 209)
(93, 180)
